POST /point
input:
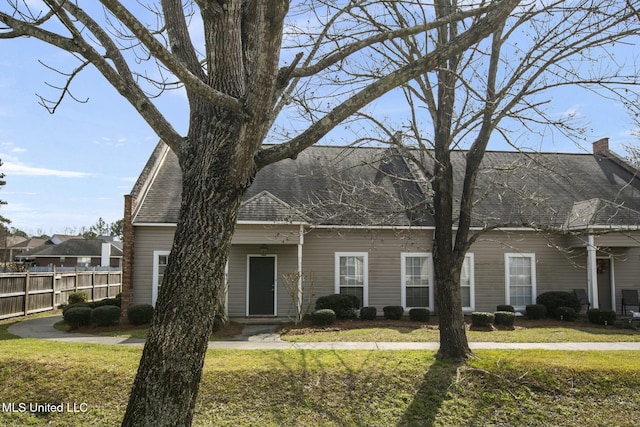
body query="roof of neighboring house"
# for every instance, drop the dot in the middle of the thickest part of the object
(368, 186)
(31, 243)
(73, 248)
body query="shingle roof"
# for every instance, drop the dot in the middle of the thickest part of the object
(372, 186)
(73, 247)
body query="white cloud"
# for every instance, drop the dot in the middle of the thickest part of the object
(19, 150)
(15, 168)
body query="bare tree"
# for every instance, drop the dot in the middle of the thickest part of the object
(236, 86)
(300, 288)
(499, 88)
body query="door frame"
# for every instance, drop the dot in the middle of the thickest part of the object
(275, 283)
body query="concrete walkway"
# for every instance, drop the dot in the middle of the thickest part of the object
(261, 337)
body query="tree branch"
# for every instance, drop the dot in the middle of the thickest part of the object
(498, 13)
(191, 81)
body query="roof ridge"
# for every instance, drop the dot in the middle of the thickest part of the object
(148, 175)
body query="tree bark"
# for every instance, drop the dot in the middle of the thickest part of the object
(447, 264)
(211, 197)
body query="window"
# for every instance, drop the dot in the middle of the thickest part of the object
(83, 261)
(160, 260)
(520, 279)
(351, 278)
(467, 291)
(417, 277)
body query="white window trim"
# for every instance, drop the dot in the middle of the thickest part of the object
(156, 267)
(365, 279)
(472, 284)
(403, 277)
(507, 280)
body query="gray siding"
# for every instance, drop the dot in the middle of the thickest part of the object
(556, 269)
(383, 248)
(266, 234)
(148, 239)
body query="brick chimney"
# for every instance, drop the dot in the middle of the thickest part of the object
(601, 146)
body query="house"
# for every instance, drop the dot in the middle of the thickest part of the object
(359, 220)
(75, 252)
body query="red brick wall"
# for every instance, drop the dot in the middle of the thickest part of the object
(128, 241)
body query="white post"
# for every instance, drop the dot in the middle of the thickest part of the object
(105, 260)
(300, 278)
(592, 271)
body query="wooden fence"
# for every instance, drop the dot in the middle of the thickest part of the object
(26, 293)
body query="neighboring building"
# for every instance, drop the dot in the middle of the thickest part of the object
(359, 219)
(75, 252)
(12, 245)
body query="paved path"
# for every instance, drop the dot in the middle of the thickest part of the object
(261, 337)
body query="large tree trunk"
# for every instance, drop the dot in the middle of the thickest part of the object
(447, 266)
(214, 183)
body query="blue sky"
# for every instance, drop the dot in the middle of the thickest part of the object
(64, 171)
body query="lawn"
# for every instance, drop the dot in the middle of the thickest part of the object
(545, 331)
(331, 388)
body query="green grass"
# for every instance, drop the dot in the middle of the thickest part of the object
(333, 388)
(567, 333)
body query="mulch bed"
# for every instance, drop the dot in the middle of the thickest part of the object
(305, 327)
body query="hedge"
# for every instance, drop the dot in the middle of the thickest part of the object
(368, 313)
(555, 299)
(140, 314)
(77, 316)
(344, 306)
(323, 317)
(393, 312)
(482, 319)
(419, 314)
(105, 315)
(601, 317)
(568, 314)
(536, 311)
(504, 318)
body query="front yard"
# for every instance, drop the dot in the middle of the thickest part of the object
(382, 330)
(330, 388)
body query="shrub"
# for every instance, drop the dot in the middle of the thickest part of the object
(78, 297)
(344, 306)
(140, 314)
(506, 307)
(504, 318)
(536, 311)
(323, 317)
(393, 312)
(601, 317)
(78, 304)
(568, 314)
(554, 299)
(481, 319)
(368, 313)
(218, 323)
(105, 315)
(106, 301)
(419, 314)
(77, 316)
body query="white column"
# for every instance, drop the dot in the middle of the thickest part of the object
(592, 271)
(300, 243)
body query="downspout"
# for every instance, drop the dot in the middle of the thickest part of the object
(592, 272)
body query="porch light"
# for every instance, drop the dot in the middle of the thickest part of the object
(264, 249)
